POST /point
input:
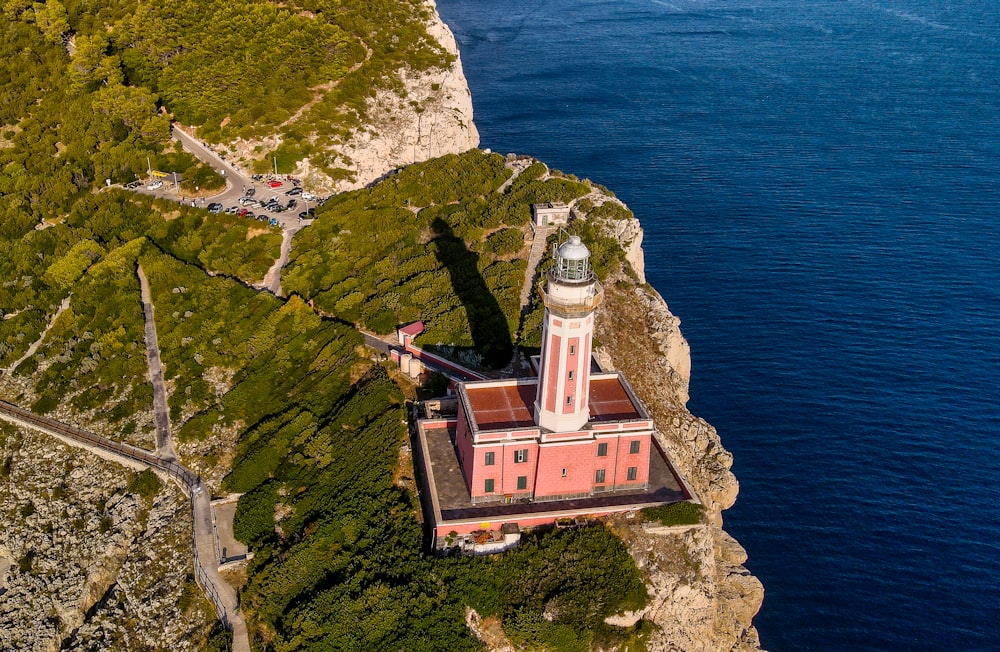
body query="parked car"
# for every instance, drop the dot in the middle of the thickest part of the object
(293, 192)
(308, 196)
(291, 204)
(215, 208)
(132, 185)
(274, 183)
(274, 221)
(249, 215)
(242, 212)
(249, 192)
(156, 185)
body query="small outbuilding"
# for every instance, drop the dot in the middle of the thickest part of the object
(550, 214)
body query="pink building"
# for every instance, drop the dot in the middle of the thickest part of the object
(567, 433)
(570, 442)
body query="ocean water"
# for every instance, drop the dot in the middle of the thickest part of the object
(819, 182)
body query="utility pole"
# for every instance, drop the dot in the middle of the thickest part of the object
(275, 166)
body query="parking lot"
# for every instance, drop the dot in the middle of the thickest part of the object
(279, 200)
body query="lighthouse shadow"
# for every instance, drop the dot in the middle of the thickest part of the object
(487, 322)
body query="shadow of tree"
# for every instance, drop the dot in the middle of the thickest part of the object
(487, 322)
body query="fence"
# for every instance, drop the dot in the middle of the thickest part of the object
(188, 480)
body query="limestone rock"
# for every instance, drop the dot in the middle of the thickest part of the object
(86, 565)
(431, 117)
(702, 596)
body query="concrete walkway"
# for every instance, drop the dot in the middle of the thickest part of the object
(222, 595)
(161, 412)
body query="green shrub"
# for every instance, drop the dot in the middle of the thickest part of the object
(145, 485)
(682, 513)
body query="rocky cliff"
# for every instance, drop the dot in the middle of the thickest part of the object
(426, 115)
(431, 116)
(703, 599)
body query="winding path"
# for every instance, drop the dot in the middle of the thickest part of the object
(272, 280)
(37, 343)
(222, 595)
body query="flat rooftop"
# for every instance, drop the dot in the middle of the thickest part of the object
(455, 503)
(511, 405)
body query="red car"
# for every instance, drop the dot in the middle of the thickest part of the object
(274, 184)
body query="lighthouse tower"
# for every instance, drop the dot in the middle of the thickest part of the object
(571, 295)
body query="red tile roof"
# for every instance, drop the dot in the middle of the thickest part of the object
(503, 407)
(509, 406)
(416, 328)
(610, 402)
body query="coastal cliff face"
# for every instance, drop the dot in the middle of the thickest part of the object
(431, 116)
(702, 597)
(426, 115)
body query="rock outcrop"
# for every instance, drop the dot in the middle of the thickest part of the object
(703, 599)
(84, 562)
(430, 117)
(428, 114)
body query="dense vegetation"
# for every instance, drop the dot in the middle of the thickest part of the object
(339, 556)
(338, 548)
(434, 242)
(682, 513)
(96, 348)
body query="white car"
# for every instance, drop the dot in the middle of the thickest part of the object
(308, 196)
(156, 185)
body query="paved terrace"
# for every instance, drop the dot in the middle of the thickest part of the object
(455, 503)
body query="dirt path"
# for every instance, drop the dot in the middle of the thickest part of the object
(320, 91)
(272, 280)
(161, 413)
(37, 343)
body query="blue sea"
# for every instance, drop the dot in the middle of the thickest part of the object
(819, 182)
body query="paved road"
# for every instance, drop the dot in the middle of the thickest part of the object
(237, 181)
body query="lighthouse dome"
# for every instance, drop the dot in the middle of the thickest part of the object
(574, 249)
(573, 261)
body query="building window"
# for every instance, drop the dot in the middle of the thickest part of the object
(599, 478)
(633, 471)
(491, 458)
(602, 449)
(572, 349)
(569, 400)
(489, 486)
(522, 482)
(633, 447)
(521, 455)
(564, 473)
(571, 374)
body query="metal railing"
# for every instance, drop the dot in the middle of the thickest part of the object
(188, 480)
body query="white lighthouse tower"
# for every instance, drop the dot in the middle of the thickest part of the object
(571, 295)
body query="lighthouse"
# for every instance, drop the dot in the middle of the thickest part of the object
(571, 295)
